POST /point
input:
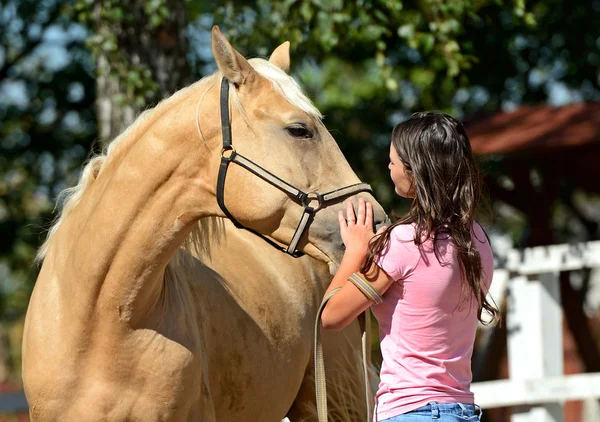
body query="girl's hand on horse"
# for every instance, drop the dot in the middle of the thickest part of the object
(356, 229)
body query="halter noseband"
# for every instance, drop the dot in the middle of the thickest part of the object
(306, 199)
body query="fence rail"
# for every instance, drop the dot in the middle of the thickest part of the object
(505, 393)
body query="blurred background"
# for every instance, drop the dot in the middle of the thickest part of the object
(523, 76)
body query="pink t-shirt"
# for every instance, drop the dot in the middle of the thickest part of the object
(426, 341)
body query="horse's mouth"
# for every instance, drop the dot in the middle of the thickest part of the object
(320, 255)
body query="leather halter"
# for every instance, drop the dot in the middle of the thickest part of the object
(306, 199)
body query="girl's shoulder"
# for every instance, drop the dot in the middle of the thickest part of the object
(403, 232)
(479, 233)
(406, 233)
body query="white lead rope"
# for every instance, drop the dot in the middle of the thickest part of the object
(320, 381)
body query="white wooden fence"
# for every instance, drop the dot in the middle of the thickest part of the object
(537, 387)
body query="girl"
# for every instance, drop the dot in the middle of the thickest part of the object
(430, 272)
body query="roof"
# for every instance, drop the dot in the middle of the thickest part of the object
(535, 128)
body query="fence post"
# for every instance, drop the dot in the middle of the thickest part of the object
(534, 324)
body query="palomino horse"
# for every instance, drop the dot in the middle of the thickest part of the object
(114, 331)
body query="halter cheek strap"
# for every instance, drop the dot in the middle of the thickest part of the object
(311, 201)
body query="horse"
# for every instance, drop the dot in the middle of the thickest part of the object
(114, 331)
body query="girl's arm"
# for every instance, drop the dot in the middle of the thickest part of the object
(349, 302)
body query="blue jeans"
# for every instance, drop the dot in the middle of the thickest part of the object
(440, 412)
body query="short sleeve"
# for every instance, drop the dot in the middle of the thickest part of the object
(400, 256)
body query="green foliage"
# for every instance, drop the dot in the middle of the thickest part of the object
(47, 125)
(360, 30)
(111, 21)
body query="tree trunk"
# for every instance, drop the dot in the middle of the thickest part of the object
(162, 50)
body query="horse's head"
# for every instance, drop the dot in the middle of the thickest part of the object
(277, 129)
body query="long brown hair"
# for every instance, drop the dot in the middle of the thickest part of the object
(436, 153)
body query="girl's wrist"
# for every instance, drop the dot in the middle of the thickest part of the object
(355, 255)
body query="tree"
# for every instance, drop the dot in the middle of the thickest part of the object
(140, 52)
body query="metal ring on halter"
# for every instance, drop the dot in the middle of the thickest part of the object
(313, 196)
(229, 148)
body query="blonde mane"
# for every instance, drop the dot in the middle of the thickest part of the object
(285, 85)
(70, 197)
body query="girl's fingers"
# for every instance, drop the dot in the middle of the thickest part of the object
(369, 216)
(350, 217)
(360, 219)
(341, 220)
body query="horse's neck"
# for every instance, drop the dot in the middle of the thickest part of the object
(113, 247)
(299, 280)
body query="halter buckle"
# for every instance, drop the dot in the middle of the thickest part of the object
(310, 197)
(230, 149)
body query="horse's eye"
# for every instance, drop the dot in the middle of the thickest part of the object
(299, 131)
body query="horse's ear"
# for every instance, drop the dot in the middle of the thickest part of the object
(281, 57)
(231, 63)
